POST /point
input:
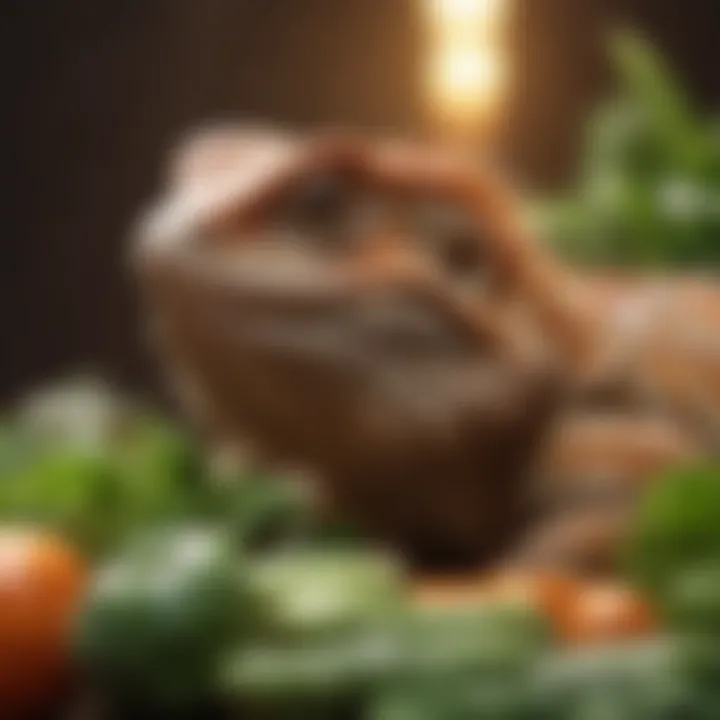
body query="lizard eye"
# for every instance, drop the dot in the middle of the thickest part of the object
(453, 240)
(461, 254)
(321, 205)
(336, 209)
(323, 198)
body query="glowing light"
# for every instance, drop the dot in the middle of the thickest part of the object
(444, 13)
(466, 72)
(463, 78)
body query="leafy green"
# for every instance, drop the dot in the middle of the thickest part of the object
(161, 614)
(660, 679)
(435, 660)
(677, 527)
(692, 602)
(671, 124)
(321, 592)
(650, 187)
(89, 463)
(99, 493)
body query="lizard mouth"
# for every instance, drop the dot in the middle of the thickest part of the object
(315, 319)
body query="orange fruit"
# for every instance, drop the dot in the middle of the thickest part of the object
(606, 611)
(41, 583)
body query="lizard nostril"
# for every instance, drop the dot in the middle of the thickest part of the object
(453, 240)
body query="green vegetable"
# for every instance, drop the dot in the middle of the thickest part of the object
(646, 77)
(650, 186)
(98, 495)
(504, 696)
(678, 528)
(395, 655)
(464, 665)
(402, 704)
(97, 468)
(637, 681)
(485, 637)
(69, 489)
(692, 602)
(323, 669)
(160, 616)
(271, 513)
(15, 449)
(266, 512)
(469, 663)
(319, 592)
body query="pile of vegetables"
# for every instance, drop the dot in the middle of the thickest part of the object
(649, 190)
(125, 568)
(78, 458)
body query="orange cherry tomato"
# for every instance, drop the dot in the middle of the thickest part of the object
(580, 611)
(603, 612)
(41, 582)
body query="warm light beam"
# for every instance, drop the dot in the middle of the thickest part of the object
(466, 74)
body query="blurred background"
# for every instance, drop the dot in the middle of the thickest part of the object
(99, 93)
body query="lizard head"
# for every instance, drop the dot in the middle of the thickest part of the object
(356, 308)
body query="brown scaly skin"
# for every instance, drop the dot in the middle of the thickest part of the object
(376, 313)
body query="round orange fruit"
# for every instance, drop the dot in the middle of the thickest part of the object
(41, 583)
(606, 611)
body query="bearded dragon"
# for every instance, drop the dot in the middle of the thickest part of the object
(379, 313)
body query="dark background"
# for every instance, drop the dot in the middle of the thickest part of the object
(100, 89)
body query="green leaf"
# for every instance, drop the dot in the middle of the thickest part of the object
(315, 592)
(659, 95)
(677, 528)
